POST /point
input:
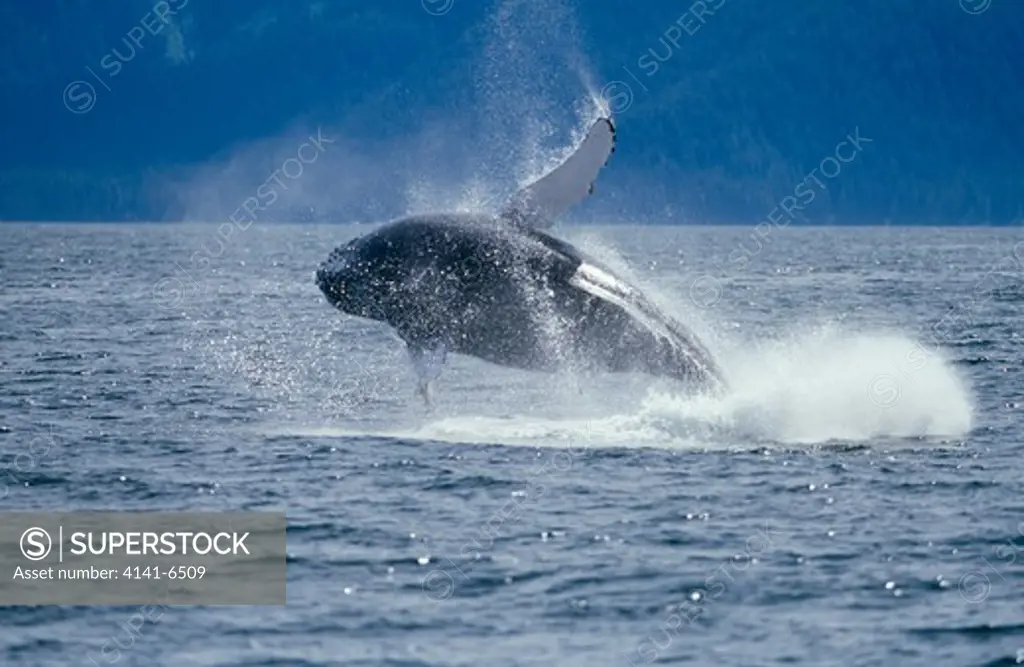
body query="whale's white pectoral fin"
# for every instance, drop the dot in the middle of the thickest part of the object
(427, 364)
(540, 203)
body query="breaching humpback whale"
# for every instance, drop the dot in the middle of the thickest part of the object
(498, 288)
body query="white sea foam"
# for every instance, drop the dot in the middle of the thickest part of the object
(822, 386)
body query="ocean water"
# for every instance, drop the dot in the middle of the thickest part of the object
(855, 499)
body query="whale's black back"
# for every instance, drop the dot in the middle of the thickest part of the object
(473, 284)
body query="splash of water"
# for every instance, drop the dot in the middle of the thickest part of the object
(828, 384)
(533, 102)
(817, 383)
(821, 386)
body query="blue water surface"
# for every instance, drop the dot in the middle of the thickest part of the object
(853, 500)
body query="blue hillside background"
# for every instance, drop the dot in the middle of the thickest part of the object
(127, 110)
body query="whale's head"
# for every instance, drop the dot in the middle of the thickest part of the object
(405, 269)
(352, 279)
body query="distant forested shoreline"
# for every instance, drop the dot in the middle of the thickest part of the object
(725, 118)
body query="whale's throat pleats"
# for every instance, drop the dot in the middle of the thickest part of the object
(600, 283)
